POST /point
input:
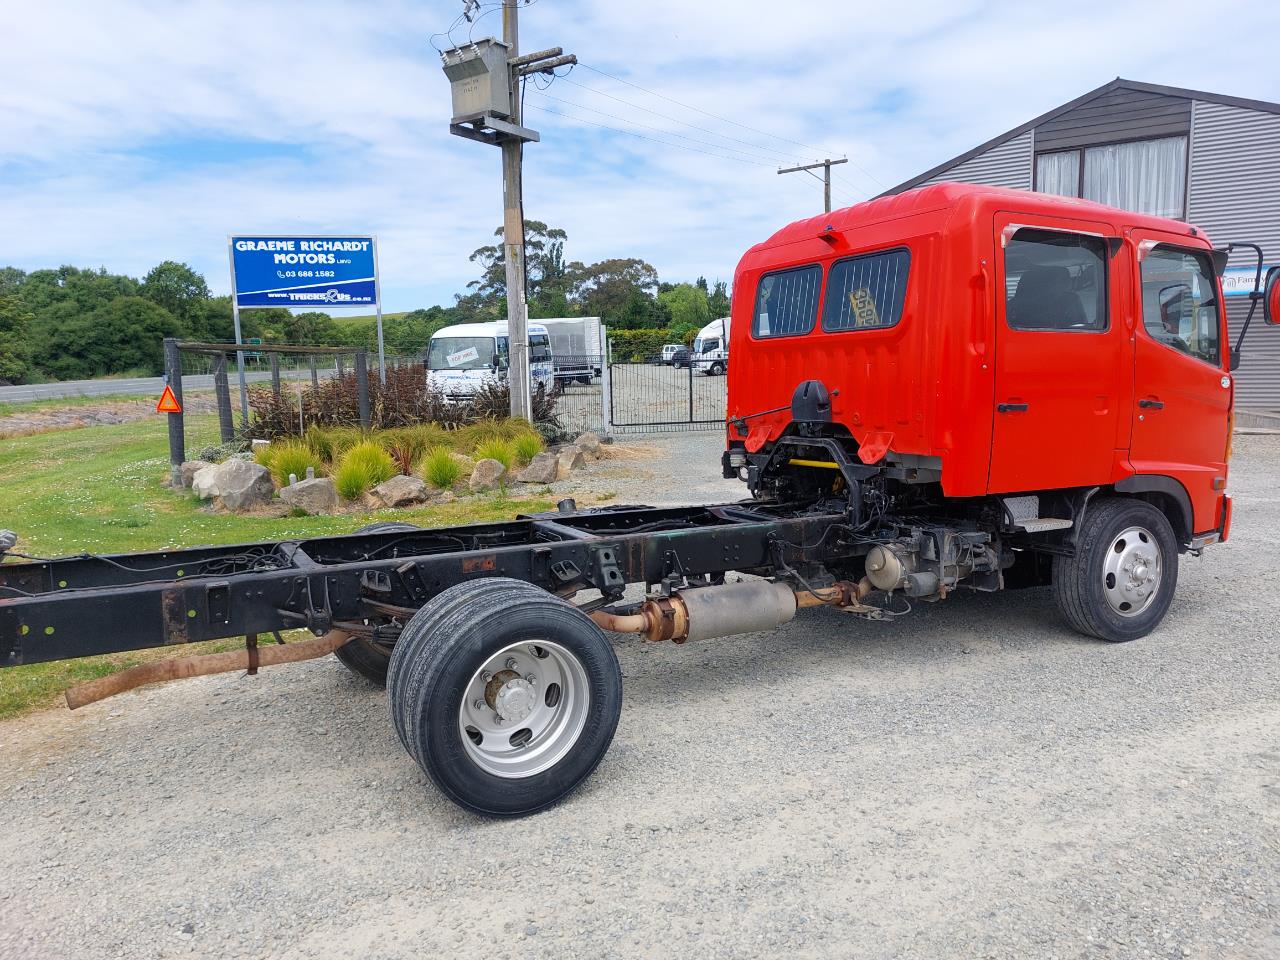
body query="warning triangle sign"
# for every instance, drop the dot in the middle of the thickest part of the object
(168, 402)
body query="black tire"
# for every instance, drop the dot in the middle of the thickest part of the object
(717, 369)
(454, 636)
(586, 380)
(1081, 584)
(362, 656)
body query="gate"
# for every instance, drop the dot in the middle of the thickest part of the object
(652, 396)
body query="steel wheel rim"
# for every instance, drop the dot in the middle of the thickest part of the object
(1132, 571)
(502, 739)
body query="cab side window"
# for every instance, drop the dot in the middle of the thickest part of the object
(1180, 302)
(1055, 281)
(786, 302)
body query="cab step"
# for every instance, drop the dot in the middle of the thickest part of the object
(1024, 514)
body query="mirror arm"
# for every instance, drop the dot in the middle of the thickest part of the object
(1253, 297)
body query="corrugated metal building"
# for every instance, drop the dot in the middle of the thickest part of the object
(1209, 159)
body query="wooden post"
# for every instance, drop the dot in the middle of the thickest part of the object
(275, 374)
(222, 388)
(177, 440)
(362, 386)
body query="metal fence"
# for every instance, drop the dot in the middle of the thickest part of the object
(653, 396)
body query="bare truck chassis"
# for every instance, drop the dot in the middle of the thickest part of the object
(505, 692)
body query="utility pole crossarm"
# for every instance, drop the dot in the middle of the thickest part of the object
(826, 166)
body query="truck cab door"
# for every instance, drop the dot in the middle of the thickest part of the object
(1182, 387)
(1063, 355)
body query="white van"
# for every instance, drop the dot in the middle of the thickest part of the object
(711, 348)
(464, 357)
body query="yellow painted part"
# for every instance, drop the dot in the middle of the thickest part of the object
(814, 463)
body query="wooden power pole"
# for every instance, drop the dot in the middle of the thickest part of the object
(490, 112)
(826, 166)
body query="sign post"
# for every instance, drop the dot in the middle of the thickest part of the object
(338, 271)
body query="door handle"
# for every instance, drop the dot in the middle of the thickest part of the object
(1151, 404)
(1012, 407)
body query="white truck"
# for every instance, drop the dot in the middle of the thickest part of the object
(462, 358)
(710, 353)
(576, 345)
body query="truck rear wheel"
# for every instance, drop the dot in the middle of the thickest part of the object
(506, 696)
(1119, 583)
(362, 656)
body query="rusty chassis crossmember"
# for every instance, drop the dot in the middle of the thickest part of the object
(367, 584)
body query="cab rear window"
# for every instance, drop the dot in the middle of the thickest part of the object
(787, 302)
(866, 292)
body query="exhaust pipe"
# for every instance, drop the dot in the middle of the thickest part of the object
(704, 613)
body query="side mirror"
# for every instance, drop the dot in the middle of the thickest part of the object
(1271, 297)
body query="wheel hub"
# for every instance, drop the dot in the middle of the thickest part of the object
(1131, 573)
(514, 697)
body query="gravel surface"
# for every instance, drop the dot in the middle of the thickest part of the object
(970, 781)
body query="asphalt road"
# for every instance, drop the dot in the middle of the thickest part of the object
(130, 386)
(973, 780)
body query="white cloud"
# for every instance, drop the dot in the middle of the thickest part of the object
(106, 111)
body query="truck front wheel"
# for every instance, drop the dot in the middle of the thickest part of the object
(506, 696)
(1119, 583)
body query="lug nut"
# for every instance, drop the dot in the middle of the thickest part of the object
(486, 676)
(479, 704)
(531, 679)
(511, 663)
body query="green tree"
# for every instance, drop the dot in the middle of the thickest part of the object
(11, 279)
(688, 306)
(15, 348)
(718, 301)
(408, 335)
(310, 327)
(126, 334)
(621, 292)
(181, 291)
(545, 280)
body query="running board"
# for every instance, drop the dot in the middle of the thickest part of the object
(1024, 515)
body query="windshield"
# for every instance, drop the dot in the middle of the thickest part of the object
(460, 353)
(706, 345)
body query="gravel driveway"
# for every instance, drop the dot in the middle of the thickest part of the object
(970, 781)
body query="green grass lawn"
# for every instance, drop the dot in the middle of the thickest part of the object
(100, 490)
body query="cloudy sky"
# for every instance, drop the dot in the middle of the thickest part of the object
(134, 132)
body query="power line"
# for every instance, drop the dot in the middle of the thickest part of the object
(641, 136)
(646, 126)
(707, 113)
(684, 123)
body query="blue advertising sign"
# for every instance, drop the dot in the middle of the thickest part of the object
(304, 271)
(1238, 281)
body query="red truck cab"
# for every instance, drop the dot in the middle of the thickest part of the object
(978, 347)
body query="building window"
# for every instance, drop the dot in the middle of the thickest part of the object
(1055, 281)
(866, 292)
(1145, 176)
(787, 302)
(1059, 172)
(1179, 303)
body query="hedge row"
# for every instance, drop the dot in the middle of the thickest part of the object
(638, 344)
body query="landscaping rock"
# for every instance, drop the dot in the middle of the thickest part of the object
(256, 445)
(543, 468)
(589, 444)
(399, 491)
(204, 482)
(447, 497)
(189, 469)
(487, 475)
(567, 460)
(318, 496)
(243, 485)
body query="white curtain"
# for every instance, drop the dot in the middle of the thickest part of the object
(1059, 173)
(1148, 176)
